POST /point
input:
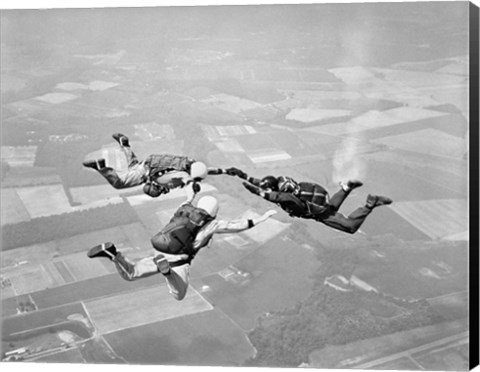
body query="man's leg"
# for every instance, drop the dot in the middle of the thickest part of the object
(126, 268)
(108, 173)
(134, 176)
(353, 222)
(339, 197)
(136, 173)
(348, 224)
(124, 143)
(130, 156)
(176, 276)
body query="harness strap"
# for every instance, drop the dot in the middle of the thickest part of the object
(309, 209)
(181, 262)
(157, 173)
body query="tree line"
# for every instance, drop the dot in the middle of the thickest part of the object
(286, 338)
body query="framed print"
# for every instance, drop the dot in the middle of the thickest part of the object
(264, 185)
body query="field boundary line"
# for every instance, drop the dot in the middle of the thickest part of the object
(81, 301)
(409, 352)
(448, 295)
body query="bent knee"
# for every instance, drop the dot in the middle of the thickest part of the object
(351, 230)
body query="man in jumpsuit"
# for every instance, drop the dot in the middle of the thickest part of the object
(311, 201)
(158, 173)
(190, 229)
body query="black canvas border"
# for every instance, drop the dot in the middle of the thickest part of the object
(474, 185)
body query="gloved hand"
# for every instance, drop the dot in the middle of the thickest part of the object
(154, 189)
(196, 187)
(253, 189)
(236, 172)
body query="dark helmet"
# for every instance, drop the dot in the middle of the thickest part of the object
(269, 182)
(287, 184)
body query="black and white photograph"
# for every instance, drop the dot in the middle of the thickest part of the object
(250, 185)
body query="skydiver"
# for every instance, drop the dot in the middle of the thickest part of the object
(190, 229)
(159, 173)
(311, 201)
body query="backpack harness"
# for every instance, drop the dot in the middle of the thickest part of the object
(178, 235)
(314, 197)
(158, 165)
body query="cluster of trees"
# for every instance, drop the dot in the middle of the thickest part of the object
(25, 304)
(45, 229)
(285, 339)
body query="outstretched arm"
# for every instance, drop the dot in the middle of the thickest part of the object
(239, 173)
(254, 189)
(233, 172)
(235, 226)
(192, 189)
(216, 171)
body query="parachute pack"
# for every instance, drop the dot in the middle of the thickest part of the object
(178, 235)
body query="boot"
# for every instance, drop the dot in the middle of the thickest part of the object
(162, 264)
(107, 250)
(350, 185)
(377, 200)
(95, 164)
(121, 139)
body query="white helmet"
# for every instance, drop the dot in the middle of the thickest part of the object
(209, 204)
(198, 171)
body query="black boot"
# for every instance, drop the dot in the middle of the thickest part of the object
(95, 164)
(377, 200)
(121, 139)
(350, 185)
(162, 264)
(107, 250)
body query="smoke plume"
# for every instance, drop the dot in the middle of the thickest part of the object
(347, 162)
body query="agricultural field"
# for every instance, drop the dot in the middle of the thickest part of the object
(131, 310)
(14, 210)
(200, 339)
